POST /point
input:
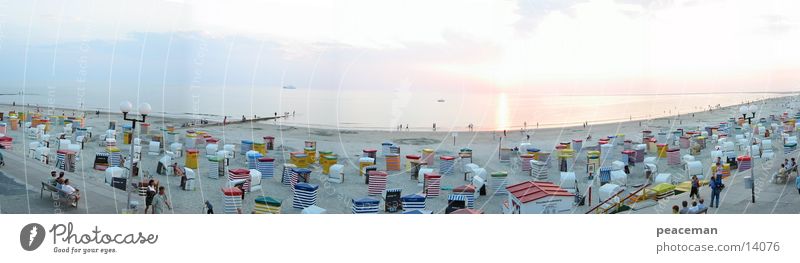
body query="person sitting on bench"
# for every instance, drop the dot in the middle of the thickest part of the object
(53, 179)
(68, 191)
(60, 180)
(781, 175)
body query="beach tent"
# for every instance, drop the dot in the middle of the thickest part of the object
(266, 166)
(619, 177)
(232, 200)
(113, 172)
(255, 181)
(154, 148)
(418, 212)
(481, 172)
(455, 202)
(367, 171)
(251, 158)
(305, 195)
(391, 200)
(422, 172)
(190, 179)
(479, 184)
(538, 170)
(66, 160)
(469, 192)
(336, 174)
(267, 205)
(432, 184)
(211, 149)
(568, 181)
(313, 210)
(607, 191)
(176, 148)
(365, 205)
(299, 175)
(605, 175)
(377, 182)
(286, 174)
(446, 164)
(363, 163)
(230, 151)
(413, 201)
(239, 176)
(101, 161)
(469, 170)
(498, 182)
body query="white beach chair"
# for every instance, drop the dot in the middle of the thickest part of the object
(255, 180)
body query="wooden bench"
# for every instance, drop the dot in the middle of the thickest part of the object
(53, 190)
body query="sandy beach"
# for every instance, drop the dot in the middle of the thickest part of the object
(24, 174)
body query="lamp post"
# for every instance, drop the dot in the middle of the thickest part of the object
(125, 107)
(745, 109)
(753, 109)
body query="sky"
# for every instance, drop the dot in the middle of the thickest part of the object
(546, 46)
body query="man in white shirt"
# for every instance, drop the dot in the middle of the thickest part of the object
(71, 191)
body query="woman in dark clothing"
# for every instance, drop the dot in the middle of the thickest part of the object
(695, 191)
(151, 193)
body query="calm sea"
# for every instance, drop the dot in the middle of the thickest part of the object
(386, 110)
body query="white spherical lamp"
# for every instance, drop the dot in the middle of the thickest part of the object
(125, 106)
(743, 110)
(145, 108)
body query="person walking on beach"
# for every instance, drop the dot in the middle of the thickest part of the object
(695, 191)
(149, 195)
(406, 126)
(209, 208)
(434, 126)
(797, 183)
(716, 187)
(160, 201)
(504, 133)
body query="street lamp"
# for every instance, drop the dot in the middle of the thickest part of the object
(744, 110)
(125, 107)
(753, 109)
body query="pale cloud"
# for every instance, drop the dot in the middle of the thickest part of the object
(360, 23)
(486, 43)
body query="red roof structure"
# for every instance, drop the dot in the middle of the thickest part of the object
(532, 191)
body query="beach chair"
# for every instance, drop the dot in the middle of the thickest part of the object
(255, 180)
